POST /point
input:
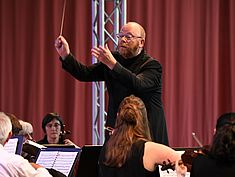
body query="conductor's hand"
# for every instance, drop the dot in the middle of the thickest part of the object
(104, 55)
(62, 46)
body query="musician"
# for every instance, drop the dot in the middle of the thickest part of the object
(13, 164)
(16, 126)
(53, 128)
(220, 160)
(130, 150)
(27, 130)
(129, 70)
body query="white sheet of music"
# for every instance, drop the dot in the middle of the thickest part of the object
(58, 160)
(11, 145)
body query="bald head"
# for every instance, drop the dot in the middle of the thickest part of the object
(136, 28)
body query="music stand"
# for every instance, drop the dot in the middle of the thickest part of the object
(88, 161)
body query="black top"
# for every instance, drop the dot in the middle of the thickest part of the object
(204, 166)
(141, 76)
(44, 141)
(133, 167)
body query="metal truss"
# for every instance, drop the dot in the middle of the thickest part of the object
(106, 17)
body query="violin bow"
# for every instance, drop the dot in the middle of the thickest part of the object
(196, 139)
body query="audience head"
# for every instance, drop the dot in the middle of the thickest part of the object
(223, 145)
(16, 126)
(5, 128)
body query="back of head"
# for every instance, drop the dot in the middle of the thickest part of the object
(132, 115)
(16, 126)
(49, 117)
(27, 128)
(223, 145)
(5, 127)
(225, 119)
(131, 126)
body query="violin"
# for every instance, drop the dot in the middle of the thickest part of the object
(64, 133)
(187, 158)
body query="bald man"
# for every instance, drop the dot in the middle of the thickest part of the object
(129, 70)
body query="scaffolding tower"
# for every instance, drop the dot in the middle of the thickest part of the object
(106, 17)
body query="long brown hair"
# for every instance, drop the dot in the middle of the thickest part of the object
(131, 125)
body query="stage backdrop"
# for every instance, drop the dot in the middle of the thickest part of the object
(193, 39)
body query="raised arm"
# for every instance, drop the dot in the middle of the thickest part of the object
(62, 47)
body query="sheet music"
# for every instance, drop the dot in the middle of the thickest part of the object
(11, 145)
(65, 161)
(35, 144)
(47, 158)
(59, 160)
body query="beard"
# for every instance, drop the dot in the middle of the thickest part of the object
(128, 52)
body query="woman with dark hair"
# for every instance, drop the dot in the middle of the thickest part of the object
(220, 159)
(130, 151)
(53, 128)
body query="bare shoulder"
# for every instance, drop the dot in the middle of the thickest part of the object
(152, 146)
(160, 153)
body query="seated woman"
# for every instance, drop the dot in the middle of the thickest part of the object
(130, 151)
(53, 128)
(220, 158)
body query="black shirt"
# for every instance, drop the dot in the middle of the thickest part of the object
(204, 166)
(133, 167)
(45, 141)
(141, 76)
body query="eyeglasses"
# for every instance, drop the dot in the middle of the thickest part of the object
(56, 125)
(128, 36)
